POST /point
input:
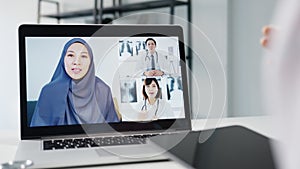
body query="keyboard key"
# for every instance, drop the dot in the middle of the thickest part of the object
(48, 145)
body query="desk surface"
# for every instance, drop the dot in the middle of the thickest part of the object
(261, 124)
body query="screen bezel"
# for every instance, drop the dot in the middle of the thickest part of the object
(28, 30)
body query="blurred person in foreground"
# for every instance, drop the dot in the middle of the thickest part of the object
(281, 82)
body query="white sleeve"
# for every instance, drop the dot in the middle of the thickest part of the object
(165, 110)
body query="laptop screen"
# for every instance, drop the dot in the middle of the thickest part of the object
(130, 77)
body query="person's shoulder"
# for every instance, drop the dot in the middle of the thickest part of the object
(101, 83)
(162, 55)
(165, 105)
(142, 53)
(48, 88)
(163, 102)
(139, 105)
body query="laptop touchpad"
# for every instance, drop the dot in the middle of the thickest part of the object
(133, 151)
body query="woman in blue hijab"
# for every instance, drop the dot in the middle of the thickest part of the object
(75, 95)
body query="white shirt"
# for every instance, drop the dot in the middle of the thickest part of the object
(162, 61)
(161, 109)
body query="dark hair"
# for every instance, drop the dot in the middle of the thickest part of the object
(150, 39)
(148, 81)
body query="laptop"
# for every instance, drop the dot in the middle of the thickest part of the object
(88, 97)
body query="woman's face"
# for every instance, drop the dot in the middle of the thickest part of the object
(77, 61)
(151, 90)
(151, 45)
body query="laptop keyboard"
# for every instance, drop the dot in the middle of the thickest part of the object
(57, 144)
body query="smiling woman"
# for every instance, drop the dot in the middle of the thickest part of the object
(75, 95)
(153, 107)
(77, 61)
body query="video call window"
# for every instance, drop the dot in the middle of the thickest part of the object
(128, 79)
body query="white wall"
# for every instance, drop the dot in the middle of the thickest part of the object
(246, 19)
(210, 58)
(12, 14)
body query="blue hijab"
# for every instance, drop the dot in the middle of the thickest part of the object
(64, 101)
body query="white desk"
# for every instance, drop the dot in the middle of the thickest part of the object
(262, 124)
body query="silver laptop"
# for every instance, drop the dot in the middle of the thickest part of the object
(96, 94)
